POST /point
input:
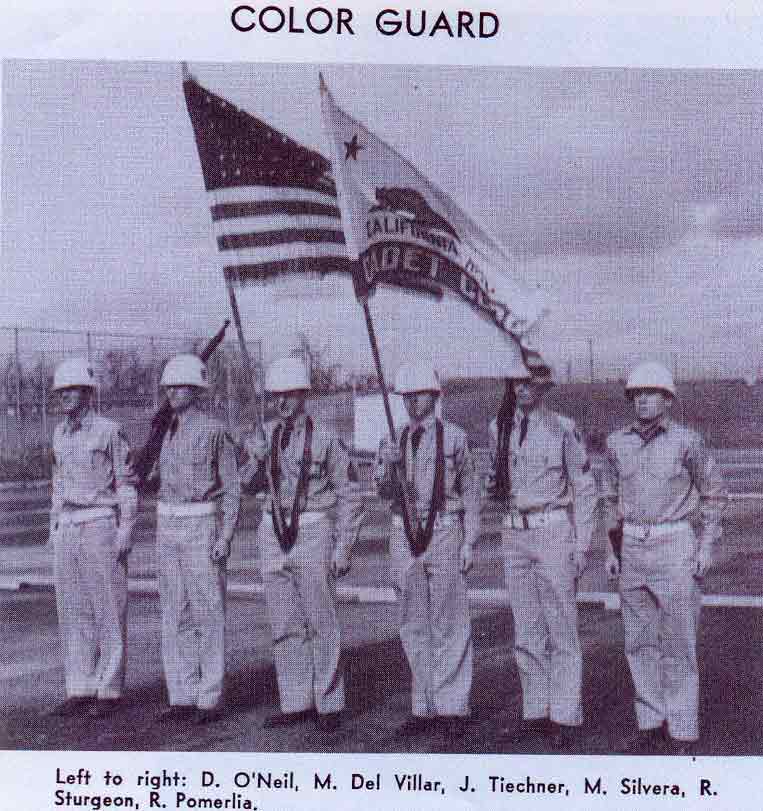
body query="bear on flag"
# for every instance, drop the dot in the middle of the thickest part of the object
(404, 231)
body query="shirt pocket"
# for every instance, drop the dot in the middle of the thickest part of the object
(665, 467)
(98, 456)
(198, 464)
(317, 470)
(544, 458)
(451, 472)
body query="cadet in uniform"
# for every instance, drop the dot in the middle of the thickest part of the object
(198, 506)
(432, 470)
(91, 521)
(540, 469)
(304, 542)
(660, 479)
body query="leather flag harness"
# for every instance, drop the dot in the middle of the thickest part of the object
(286, 531)
(419, 535)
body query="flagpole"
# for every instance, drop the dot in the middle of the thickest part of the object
(377, 362)
(406, 508)
(244, 349)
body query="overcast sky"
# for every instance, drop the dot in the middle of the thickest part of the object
(633, 197)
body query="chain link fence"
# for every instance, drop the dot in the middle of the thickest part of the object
(128, 369)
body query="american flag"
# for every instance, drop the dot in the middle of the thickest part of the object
(273, 201)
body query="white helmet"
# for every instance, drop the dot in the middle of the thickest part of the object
(651, 375)
(73, 372)
(287, 374)
(185, 370)
(416, 376)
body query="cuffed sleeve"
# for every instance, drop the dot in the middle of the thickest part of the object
(469, 487)
(230, 486)
(125, 485)
(349, 506)
(584, 488)
(713, 498)
(490, 478)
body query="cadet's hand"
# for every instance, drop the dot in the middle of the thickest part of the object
(612, 566)
(389, 452)
(257, 445)
(123, 549)
(220, 550)
(466, 558)
(579, 562)
(702, 562)
(340, 563)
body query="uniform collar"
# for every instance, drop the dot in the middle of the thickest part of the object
(533, 416)
(298, 424)
(647, 435)
(188, 415)
(426, 423)
(85, 422)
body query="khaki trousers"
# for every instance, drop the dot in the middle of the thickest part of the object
(661, 605)
(192, 598)
(540, 578)
(435, 625)
(91, 601)
(301, 598)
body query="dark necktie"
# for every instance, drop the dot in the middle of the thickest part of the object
(523, 429)
(174, 426)
(416, 439)
(288, 428)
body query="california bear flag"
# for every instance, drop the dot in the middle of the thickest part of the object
(408, 233)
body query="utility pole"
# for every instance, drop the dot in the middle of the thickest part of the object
(590, 360)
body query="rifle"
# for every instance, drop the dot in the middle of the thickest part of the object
(616, 541)
(148, 454)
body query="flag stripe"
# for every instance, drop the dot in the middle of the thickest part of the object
(245, 194)
(264, 208)
(290, 250)
(234, 242)
(272, 201)
(261, 271)
(249, 225)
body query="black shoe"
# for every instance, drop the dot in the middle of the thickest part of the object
(176, 713)
(74, 705)
(565, 738)
(528, 729)
(288, 719)
(647, 742)
(415, 725)
(328, 721)
(210, 715)
(453, 726)
(103, 707)
(673, 746)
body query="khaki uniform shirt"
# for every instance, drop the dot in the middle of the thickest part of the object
(328, 486)
(665, 475)
(197, 464)
(550, 469)
(462, 489)
(92, 468)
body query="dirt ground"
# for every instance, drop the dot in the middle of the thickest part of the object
(378, 688)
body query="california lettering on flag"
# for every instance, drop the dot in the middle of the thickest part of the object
(273, 201)
(408, 233)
